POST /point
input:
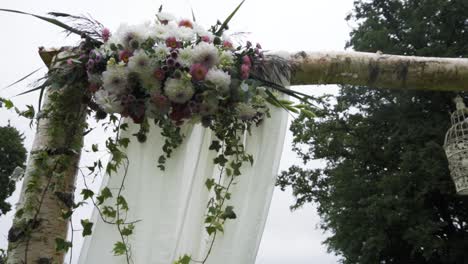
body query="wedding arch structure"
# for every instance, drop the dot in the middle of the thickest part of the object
(39, 232)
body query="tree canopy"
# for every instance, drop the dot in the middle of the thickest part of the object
(12, 155)
(385, 193)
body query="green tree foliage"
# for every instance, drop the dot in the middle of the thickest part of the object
(385, 194)
(12, 155)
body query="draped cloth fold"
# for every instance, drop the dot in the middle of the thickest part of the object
(171, 204)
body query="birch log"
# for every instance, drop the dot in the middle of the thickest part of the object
(380, 71)
(39, 225)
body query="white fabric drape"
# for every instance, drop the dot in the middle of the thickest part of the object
(171, 204)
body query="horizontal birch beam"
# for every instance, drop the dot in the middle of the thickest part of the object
(380, 71)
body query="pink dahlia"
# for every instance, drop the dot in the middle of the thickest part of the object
(198, 71)
(246, 60)
(245, 70)
(206, 39)
(227, 44)
(105, 34)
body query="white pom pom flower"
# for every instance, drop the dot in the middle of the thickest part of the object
(206, 54)
(108, 102)
(114, 79)
(178, 91)
(245, 111)
(140, 63)
(220, 79)
(185, 57)
(161, 52)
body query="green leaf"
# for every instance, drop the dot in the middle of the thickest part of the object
(229, 213)
(109, 211)
(122, 203)
(48, 19)
(62, 245)
(209, 183)
(221, 160)
(87, 227)
(224, 25)
(23, 78)
(184, 260)
(119, 248)
(124, 142)
(215, 145)
(308, 114)
(105, 194)
(94, 147)
(66, 214)
(210, 230)
(8, 104)
(128, 230)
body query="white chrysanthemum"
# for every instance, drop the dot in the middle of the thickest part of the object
(163, 16)
(185, 33)
(185, 57)
(161, 52)
(114, 79)
(206, 54)
(151, 84)
(202, 32)
(140, 63)
(126, 33)
(107, 101)
(178, 91)
(226, 59)
(245, 111)
(220, 79)
(160, 31)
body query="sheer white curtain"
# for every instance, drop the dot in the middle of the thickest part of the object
(171, 204)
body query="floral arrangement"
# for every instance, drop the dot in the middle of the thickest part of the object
(171, 71)
(174, 68)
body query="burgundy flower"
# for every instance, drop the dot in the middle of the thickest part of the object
(179, 112)
(198, 71)
(172, 43)
(161, 102)
(159, 74)
(124, 55)
(185, 23)
(93, 87)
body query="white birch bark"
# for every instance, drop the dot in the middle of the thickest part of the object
(380, 70)
(49, 180)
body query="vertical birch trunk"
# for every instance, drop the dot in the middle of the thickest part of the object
(40, 226)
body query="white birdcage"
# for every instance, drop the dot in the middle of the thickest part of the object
(456, 147)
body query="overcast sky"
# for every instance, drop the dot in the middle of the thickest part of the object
(293, 25)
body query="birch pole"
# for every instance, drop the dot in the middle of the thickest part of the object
(380, 71)
(39, 230)
(40, 225)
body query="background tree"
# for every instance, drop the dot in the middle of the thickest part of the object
(12, 155)
(385, 193)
